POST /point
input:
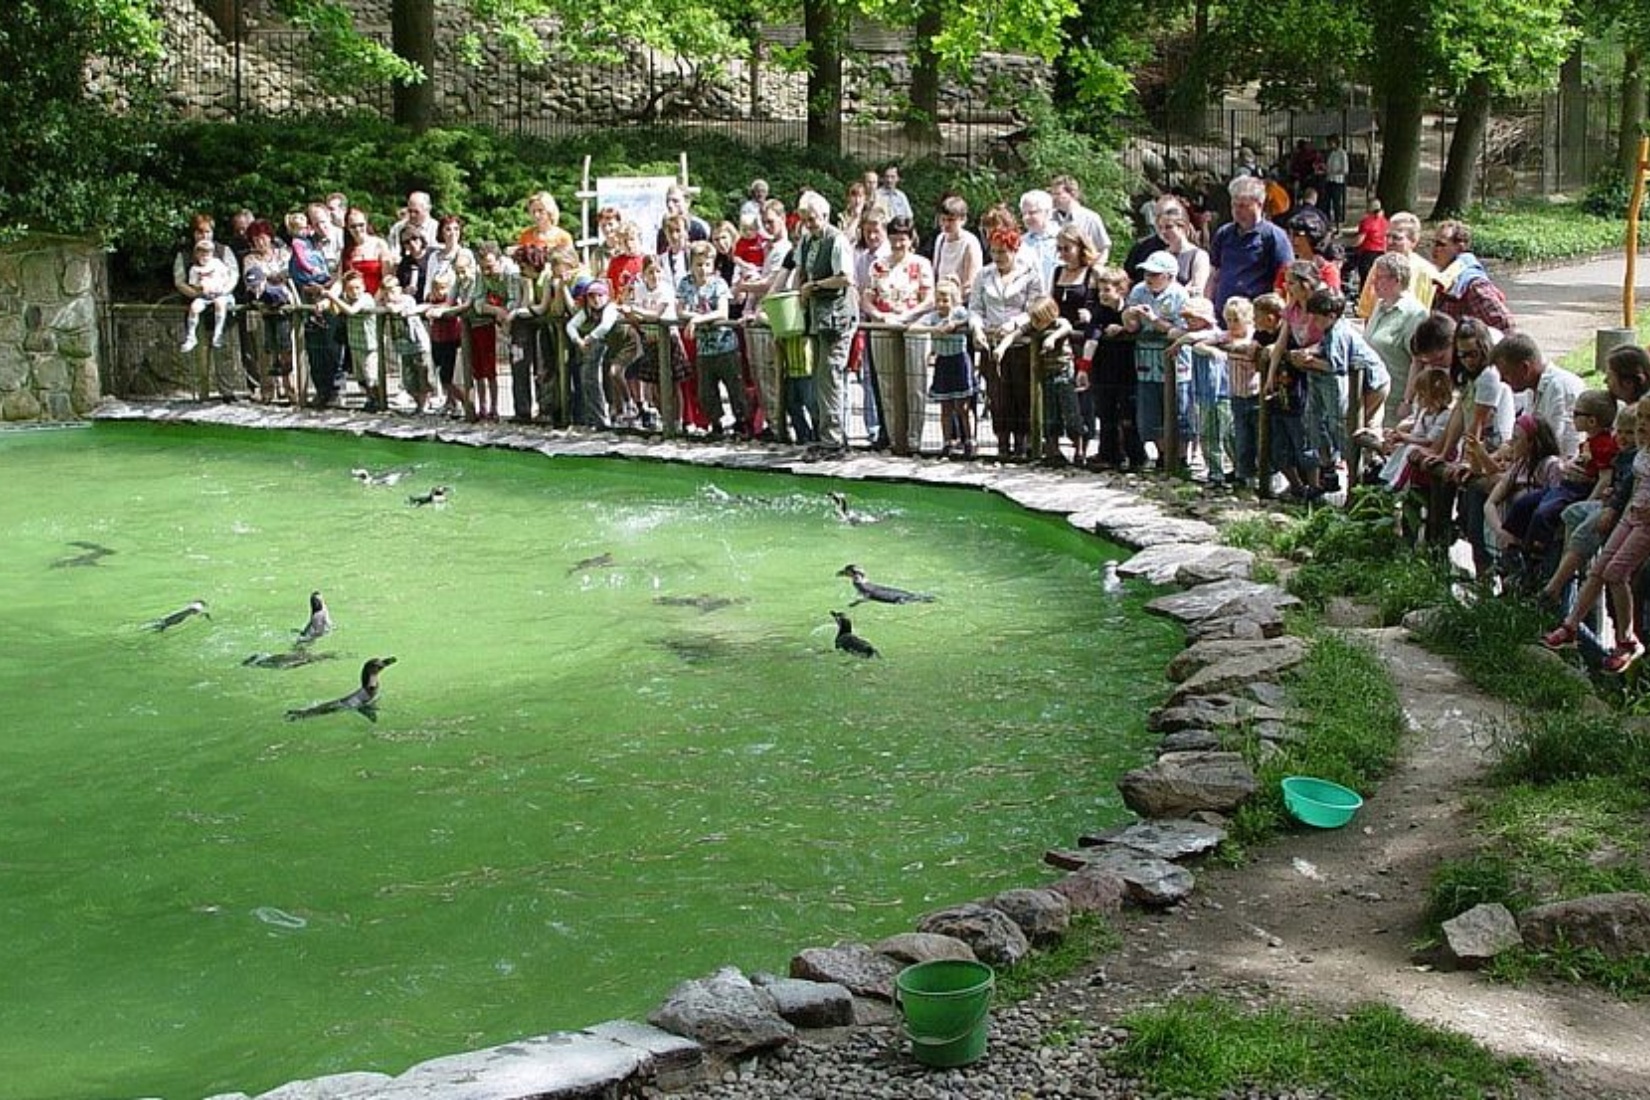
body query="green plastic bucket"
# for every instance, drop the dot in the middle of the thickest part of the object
(947, 1009)
(784, 313)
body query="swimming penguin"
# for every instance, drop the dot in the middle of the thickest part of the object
(1110, 581)
(367, 477)
(600, 561)
(848, 515)
(363, 700)
(182, 614)
(438, 495)
(93, 554)
(848, 641)
(292, 658)
(320, 620)
(879, 593)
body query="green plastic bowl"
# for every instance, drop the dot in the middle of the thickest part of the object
(1320, 803)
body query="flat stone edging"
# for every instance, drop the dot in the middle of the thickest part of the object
(1134, 862)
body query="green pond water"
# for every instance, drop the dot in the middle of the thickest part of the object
(574, 797)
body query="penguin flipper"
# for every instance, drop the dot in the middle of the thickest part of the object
(369, 711)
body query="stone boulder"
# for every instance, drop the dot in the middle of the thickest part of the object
(1164, 562)
(993, 935)
(1248, 627)
(1092, 890)
(561, 1066)
(1225, 563)
(811, 1004)
(1169, 838)
(1217, 711)
(1480, 934)
(1232, 674)
(724, 1012)
(1617, 925)
(855, 966)
(1190, 741)
(1147, 880)
(676, 1061)
(1286, 652)
(331, 1087)
(1043, 915)
(910, 948)
(1178, 784)
(1223, 598)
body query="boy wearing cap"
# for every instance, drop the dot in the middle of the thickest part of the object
(587, 336)
(1197, 347)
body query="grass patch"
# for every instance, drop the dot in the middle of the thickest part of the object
(1358, 553)
(1628, 977)
(1350, 728)
(1551, 746)
(1543, 231)
(1460, 884)
(1569, 839)
(1207, 1047)
(1088, 938)
(1483, 637)
(1583, 358)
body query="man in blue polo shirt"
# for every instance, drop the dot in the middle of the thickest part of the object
(1248, 251)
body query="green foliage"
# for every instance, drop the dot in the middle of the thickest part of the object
(1541, 232)
(484, 176)
(1548, 744)
(1350, 727)
(1628, 977)
(1088, 938)
(1358, 553)
(1609, 194)
(1460, 884)
(1478, 634)
(1208, 1047)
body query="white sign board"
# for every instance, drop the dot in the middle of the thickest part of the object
(640, 199)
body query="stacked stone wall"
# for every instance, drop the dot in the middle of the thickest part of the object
(277, 76)
(50, 288)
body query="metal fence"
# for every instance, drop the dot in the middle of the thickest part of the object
(262, 73)
(1532, 148)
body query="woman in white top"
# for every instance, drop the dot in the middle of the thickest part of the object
(1000, 303)
(957, 253)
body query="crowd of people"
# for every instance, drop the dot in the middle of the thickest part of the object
(1240, 349)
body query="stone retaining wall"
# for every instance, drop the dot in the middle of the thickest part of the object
(276, 78)
(50, 288)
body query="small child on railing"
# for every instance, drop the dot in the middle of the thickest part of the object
(953, 383)
(213, 282)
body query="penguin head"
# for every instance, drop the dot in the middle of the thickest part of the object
(851, 570)
(842, 624)
(315, 602)
(370, 670)
(360, 475)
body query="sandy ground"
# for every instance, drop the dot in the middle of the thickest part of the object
(1330, 918)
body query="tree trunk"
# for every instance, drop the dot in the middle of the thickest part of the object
(1632, 111)
(1572, 123)
(922, 119)
(1455, 189)
(822, 26)
(1400, 146)
(412, 37)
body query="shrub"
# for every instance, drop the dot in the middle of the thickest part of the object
(1537, 233)
(1460, 884)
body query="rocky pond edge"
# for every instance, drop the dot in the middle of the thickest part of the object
(1225, 678)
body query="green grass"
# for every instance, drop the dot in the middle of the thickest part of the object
(1350, 725)
(1627, 978)
(1583, 358)
(1207, 1047)
(1541, 231)
(1088, 938)
(1493, 643)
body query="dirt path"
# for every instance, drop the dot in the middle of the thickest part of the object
(1329, 917)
